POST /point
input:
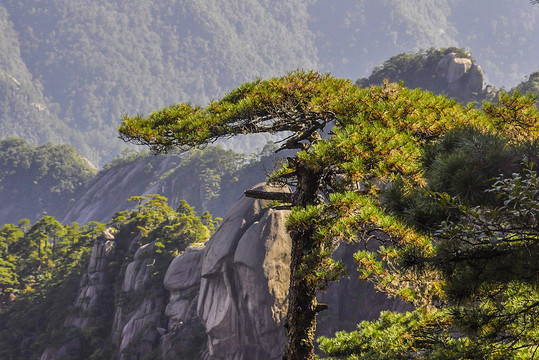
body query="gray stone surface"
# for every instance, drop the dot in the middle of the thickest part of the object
(95, 287)
(227, 299)
(240, 303)
(184, 335)
(96, 282)
(136, 320)
(463, 77)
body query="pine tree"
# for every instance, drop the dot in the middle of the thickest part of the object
(376, 137)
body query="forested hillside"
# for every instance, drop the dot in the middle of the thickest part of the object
(98, 60)
(210, 179)
(68, 71)
(23, 107)
(397, 164)
(40, 180)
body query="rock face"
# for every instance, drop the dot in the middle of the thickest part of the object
(227, 298)
(244, 282)
(139, 310)
(110, 190)
(184, 334)
(239, 284)
(95, 292)
(463, 76)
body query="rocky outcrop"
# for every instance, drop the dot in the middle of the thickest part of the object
(239, 281)
(177, 176)
(95, 295)
(184, 335)
(96, 282)
(227, 299)
(111, 188)
(139, 308)
(244, 283)
(463, 76)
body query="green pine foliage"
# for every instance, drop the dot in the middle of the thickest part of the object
(413, 144)
(41, 266)
(46, 260)
(486, 257)
(476, 274)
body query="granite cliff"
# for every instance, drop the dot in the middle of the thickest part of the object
(225, 299)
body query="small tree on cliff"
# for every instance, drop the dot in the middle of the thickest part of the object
(376, 136)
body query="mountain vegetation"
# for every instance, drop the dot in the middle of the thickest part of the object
(477, 275)
(98, 60)
(377, 139)
(54, 180)
(41, 267)
(39, 180)
(443, 176)
(69, 72)
(42, 264)
(448, 191)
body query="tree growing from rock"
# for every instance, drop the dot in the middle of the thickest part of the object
(375, 136)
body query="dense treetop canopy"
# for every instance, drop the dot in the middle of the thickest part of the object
(377, 134)
(378, 137)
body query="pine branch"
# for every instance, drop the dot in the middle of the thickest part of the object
(265, 195)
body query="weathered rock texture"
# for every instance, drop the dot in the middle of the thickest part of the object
(110, 189)
(227, 299)
(244, 283)
(95, 295)
(184, 334)
(464, 78)
(139, 310)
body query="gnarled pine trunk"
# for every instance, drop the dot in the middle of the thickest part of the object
(300, 322)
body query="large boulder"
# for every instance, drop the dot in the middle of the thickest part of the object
(138, 313)
(244, 283)
(239, 283)
(463, 76)
(184, 335)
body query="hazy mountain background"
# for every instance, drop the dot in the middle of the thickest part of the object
(70, 69)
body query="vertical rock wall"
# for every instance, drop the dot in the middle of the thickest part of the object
(184, 335)
(95, 295)
(226, 300)
(140, 307)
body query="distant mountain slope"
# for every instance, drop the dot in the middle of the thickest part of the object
(355, 36)
(79, 66)
(24, 110)
(39, 180)
(101, 59)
